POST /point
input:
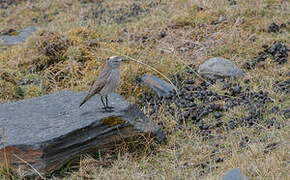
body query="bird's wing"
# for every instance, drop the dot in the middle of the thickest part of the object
(97, 87)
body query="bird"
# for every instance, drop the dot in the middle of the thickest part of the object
(107, 81)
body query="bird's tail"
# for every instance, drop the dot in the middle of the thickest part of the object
(82, 103)
(85, 99)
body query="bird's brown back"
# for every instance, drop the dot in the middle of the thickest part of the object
(99, 84)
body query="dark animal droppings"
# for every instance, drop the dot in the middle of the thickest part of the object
(278, 52)
(197, 102)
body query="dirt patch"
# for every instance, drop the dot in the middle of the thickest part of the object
(4, 4)
(122, 13)
(190, 43)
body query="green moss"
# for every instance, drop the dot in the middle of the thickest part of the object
(113, 121)
(15, 33)
(183, 20)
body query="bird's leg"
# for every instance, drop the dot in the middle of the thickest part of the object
(107, 103)
(105, 107)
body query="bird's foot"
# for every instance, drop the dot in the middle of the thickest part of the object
(108, 107)
(106, 110)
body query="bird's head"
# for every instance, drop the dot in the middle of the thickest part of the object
(114, 61)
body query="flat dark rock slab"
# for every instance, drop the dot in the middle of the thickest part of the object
(49, 131)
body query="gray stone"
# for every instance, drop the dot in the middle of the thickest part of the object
(217, 67)
(222, 18)
(20, 38)
(235, 174)
(50, 130)
(159, 86)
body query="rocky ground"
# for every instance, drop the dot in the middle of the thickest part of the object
(212, 125)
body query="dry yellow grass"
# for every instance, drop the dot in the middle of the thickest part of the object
(71, 46)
